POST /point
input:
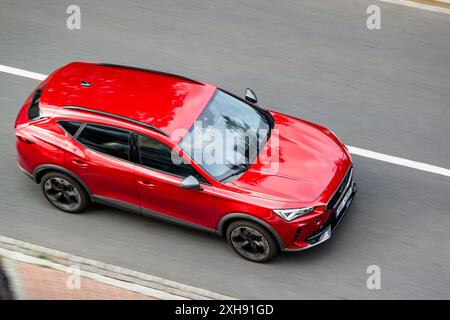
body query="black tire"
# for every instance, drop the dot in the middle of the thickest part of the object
(64, 192)
(261, 246)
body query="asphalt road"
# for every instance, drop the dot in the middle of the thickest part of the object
(385, 90)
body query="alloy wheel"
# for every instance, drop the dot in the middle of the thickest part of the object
(62, 193)
(250, 243)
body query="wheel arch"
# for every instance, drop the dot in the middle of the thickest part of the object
(229, 218)
(41, 170)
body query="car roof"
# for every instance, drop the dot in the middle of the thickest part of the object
(162, 100)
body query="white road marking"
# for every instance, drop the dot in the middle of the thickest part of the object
(22, 73)
(399, 161)
(418, 5)
(353, 150)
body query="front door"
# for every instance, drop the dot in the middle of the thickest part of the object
(158, 182)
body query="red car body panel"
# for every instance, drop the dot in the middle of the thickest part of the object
(312, 165)
(39, 144)
(106, 176)
(307, 159)
(168, 103)
(169, 199)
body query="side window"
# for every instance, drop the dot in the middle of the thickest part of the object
(112, 141)
(70, 126)
(156, 155)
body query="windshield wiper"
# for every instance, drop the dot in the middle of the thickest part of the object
(242, 169)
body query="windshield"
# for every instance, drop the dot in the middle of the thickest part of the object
(227, 137)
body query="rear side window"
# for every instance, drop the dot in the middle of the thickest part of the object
(156, 155)
(112, 141)
(70, 126)
(33, 108)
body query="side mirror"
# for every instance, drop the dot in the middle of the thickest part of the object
(190, 182)
(250, 96)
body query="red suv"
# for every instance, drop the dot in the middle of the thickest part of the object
(186, 151)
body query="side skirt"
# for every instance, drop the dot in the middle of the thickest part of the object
(148, 213)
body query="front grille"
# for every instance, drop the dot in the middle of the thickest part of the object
(340, 190)
(335, 218)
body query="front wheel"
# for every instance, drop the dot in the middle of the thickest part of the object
(251, 241)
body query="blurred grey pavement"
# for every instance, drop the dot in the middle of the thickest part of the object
(384, 90)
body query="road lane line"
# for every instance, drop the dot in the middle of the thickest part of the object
(418, 5)
(353, 150)
(399, 161)
(23, 73)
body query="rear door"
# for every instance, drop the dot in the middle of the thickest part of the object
(100, 156)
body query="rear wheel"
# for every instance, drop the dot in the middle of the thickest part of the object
(64, 192)
(251, 241)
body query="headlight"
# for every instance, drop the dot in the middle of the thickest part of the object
(291, 214)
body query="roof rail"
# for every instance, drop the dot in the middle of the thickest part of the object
(148, 70)
(103, 113)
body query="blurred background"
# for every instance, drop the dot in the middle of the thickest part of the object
(384, 90)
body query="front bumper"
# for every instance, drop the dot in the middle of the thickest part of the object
(326, 230)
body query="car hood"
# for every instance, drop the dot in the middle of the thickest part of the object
(308, 158)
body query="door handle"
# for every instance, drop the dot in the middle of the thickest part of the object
(80, 163)
(146, 184)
